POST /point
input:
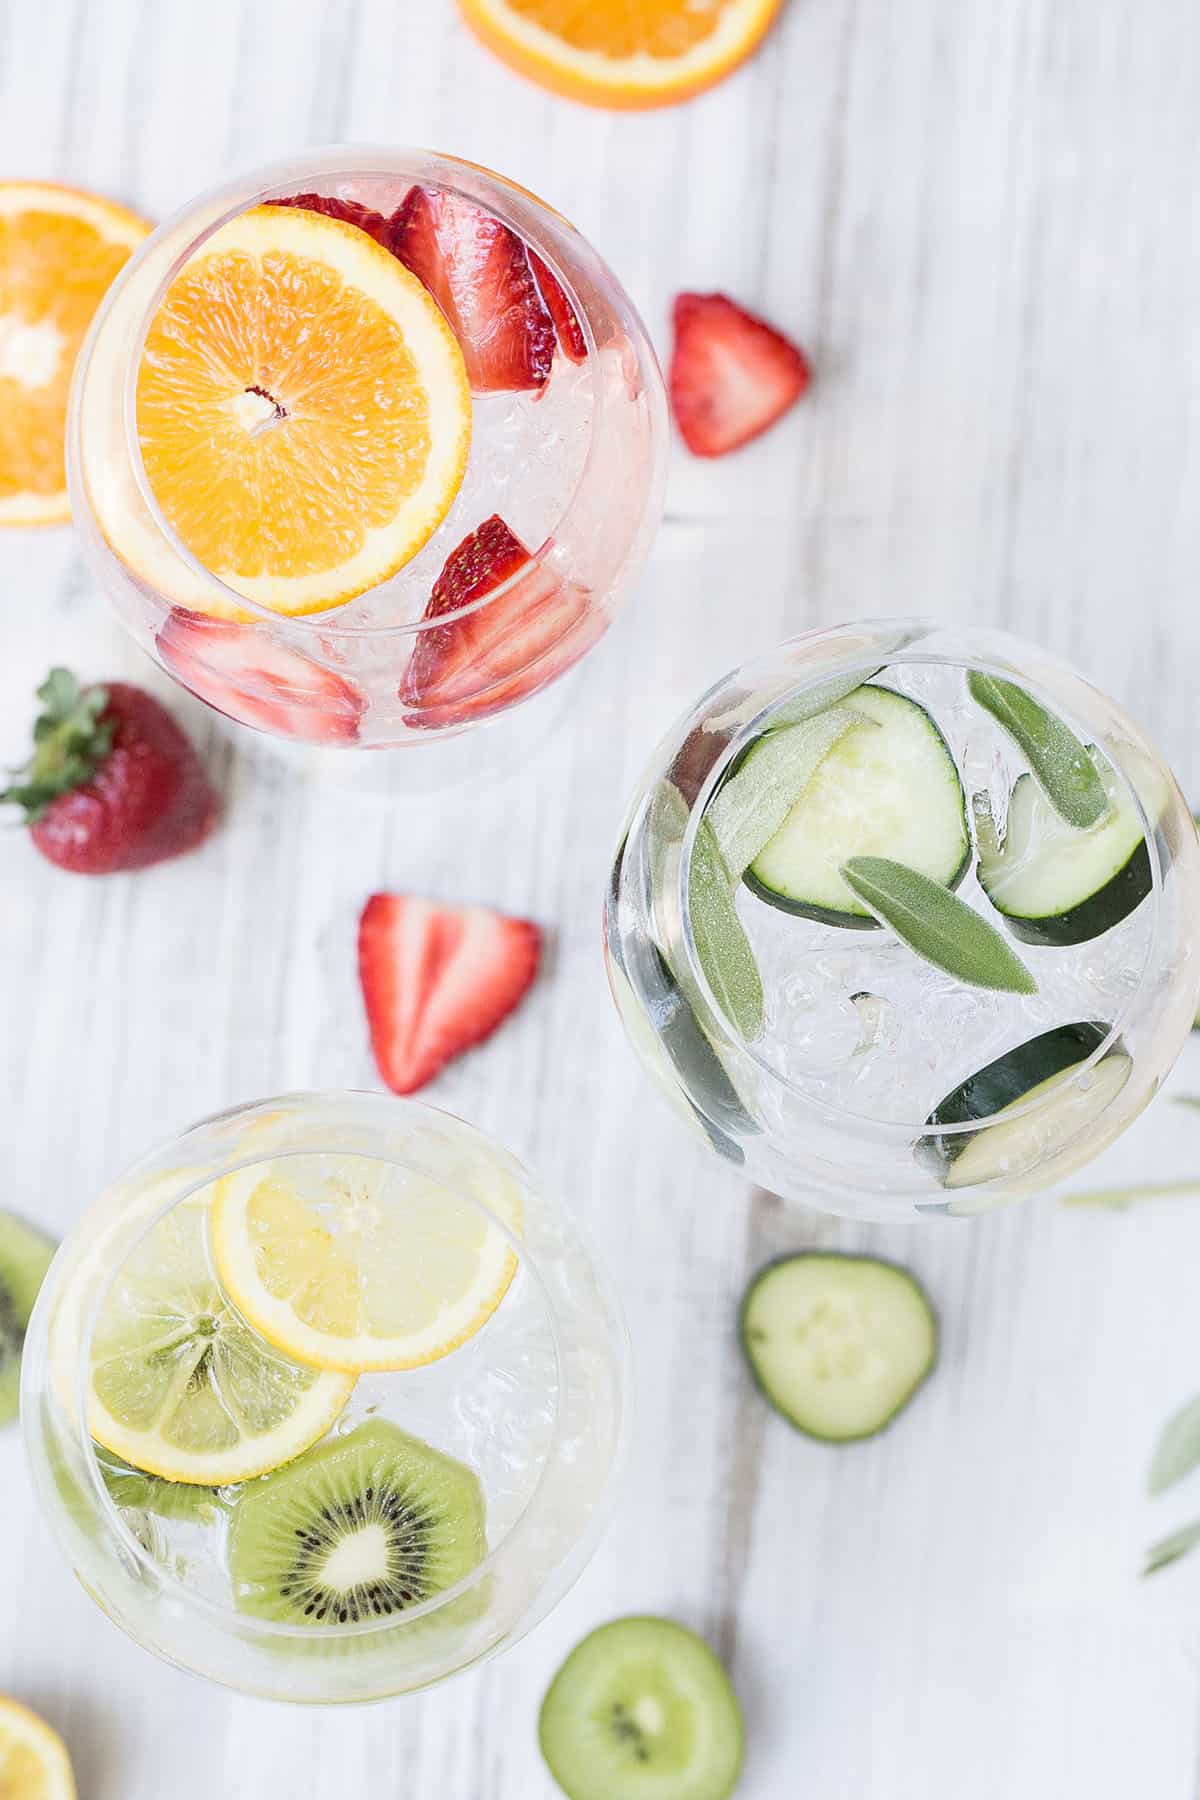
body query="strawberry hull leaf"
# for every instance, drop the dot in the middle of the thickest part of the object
(478, 271)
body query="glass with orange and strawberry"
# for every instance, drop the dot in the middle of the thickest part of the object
(367, 448)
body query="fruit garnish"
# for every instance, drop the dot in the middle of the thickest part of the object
(622, 53)
(25, 1254)
(250, 676)
(113, 783)
(484, 660)
(732, 375)
(571, 340)
(351, 212)
(478, 271)
(59, 252)
(361, 1528)
(642, 1710)
(34, 1764)
(302, 412)
(437, 980)
(178, 1384)
(351, 1263)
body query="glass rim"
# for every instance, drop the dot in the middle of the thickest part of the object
(538, 223)
(998, 649)
(227, 1616)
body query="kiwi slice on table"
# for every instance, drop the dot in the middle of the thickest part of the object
(642, 1710)
(361, 1527)
(25, 1254)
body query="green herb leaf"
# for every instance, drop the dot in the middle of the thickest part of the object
(937, 925)
(135, 1489)
(819, 699)
(1187, 1100)
(747, 811)
(721, 944)
(1117, 1198)
(1177, 1452)
(1064, 769)
(1170, 1549)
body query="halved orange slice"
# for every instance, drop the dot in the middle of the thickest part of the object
(59, 251)
(302, 410)
(622, 53)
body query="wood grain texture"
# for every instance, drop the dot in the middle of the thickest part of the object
(983, 223)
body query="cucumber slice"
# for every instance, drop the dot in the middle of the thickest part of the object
(1055, 885)
(838, 1344)
(1029, 1071)
(894, 792)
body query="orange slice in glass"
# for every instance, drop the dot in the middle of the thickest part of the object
(303, 410)
(622, 53)
(59, 251)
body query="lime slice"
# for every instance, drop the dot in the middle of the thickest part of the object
(351, 1263)
(180, 1385)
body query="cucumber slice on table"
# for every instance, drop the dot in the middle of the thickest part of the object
(1029, 1072)
(1055, 885)
(838, 1344)
(892, 792)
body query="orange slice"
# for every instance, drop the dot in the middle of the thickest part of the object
(59, 251)
(302, 410)
(622, 53)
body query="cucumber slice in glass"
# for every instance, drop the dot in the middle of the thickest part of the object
(894, 792)
(1031, 1071)
(1055, 885)
(838, 1344)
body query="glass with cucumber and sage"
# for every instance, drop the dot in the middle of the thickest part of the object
(904, 920)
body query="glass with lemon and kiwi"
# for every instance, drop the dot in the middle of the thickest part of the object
(323, 1398)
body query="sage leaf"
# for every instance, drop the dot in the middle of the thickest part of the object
(721, 943)
(1170, 1549)
(937, 925)
(1064, 769)
(1177, 1452)
(753, 803)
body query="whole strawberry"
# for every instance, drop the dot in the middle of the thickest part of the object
(113, 783)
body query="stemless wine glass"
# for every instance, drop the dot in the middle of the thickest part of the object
(824, 1055)
(440, 1508)
(560, 496)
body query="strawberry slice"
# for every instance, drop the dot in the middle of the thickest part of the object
(478, 272)
(250, 676)
(571, 340)
(437, 980)
(732, 374)
(352, 212)
(484, 660)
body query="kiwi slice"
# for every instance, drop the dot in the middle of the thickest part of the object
(642, 1710)
(361, 1527)
(25, 1255)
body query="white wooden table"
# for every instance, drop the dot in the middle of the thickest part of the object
(982, 220)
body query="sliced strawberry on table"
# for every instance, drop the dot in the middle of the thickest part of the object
(352, 212)
(478, 272)
(484, 660)
(571, 340)
(113, 783)
(732, 375)
(437, 979)
(252, 677)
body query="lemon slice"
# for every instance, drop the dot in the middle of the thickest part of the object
(303, 415)
(350, 1263)
(34, 1764)
(179, 1385)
